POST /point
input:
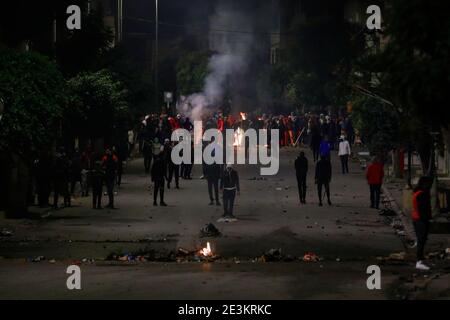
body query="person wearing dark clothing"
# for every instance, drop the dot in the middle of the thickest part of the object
(374, 176)
(212, 175)
(110, 164)
(421, 216)
(97, 179)
(75, 171)
(315, 142)
(325, 148)
(172, 168)
(147, 152)
(122, 154)
(61, 180)
(229, 183)
(158, 175)
(186, 168)
(301, 170)
(323, 178)
(43, 169)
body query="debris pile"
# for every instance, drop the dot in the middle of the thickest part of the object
(209, 230)
(387, 212)
(6, 233)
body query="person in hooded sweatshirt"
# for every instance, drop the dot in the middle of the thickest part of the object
(323, 178)
(301, 170)
(158, 174)
(229, 185)
(421, 216)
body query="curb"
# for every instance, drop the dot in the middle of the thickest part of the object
(402, 217)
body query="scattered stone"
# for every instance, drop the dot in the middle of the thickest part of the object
(209, 230)
(6, 233)
(272, 255)
(38, 259)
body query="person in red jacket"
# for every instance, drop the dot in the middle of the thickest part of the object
(374, 175)
(421, 215)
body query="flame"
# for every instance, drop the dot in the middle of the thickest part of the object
(243, 115)
(238, 137)
(206, 251)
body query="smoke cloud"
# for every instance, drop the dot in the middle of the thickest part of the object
(230, 39)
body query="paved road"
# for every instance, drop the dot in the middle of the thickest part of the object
(268, 218)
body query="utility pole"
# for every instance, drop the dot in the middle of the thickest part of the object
(119, 19)
(156, 54)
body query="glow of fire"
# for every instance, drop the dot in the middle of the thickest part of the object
(238, 137)
(243, 115)
(206, 251)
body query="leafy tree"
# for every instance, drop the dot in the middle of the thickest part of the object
(97, 104)
(32, 90)
(192, 70)
(139, 83)
(377, 124)
(412, 71)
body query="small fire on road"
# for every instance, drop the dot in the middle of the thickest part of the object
(206, 252)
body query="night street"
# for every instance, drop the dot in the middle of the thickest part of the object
(251, 153)
(348, 231)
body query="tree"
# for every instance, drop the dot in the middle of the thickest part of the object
(192, 70)
(412, 71)
(139, 83)
(32, 89)
(378, 125)
(321, 47)
(97, 105)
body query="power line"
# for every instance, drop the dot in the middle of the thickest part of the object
(184, 26)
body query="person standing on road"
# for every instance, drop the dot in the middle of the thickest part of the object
(61, 177)
(315, 140)
(344, 154)
(325, 148)
(147, 152)
(158, 175)
(212, 175)
(374, 175)
(110, 164)
(301, 170)
(97, 178)
(75, 172)
(421, 216)
(323, 178)
(172, 168)
(229, 185)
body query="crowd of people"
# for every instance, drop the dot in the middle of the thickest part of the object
(101, 173)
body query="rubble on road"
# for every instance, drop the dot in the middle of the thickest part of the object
(275, 255)
(394, 257)
(258, 179)
(209, 230)
(6, 233)
(387, 212)
(441, 254)
(36, 259)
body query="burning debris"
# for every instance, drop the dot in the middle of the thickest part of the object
(206, 252)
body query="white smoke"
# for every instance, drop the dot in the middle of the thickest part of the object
(231, 40)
